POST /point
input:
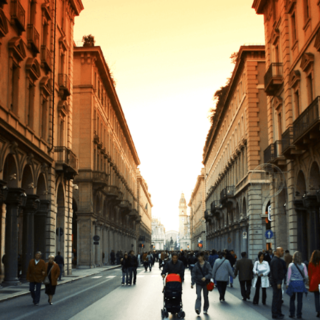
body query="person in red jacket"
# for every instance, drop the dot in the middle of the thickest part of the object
(314, 278)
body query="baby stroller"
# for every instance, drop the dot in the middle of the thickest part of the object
(172, 301)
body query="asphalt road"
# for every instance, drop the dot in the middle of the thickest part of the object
(102, 297)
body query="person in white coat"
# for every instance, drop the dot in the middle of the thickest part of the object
(261, 269)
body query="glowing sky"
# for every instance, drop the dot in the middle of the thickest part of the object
(168, 58)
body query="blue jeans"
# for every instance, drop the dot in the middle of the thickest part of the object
(61, 270)
(35, 289)
(276, 301)
(317, 300)
(231, 279)
(125, 276)
(292, 304)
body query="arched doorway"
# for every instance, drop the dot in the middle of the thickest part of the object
(74, 234)
(60, 221)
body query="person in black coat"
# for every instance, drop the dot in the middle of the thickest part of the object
(133, 265)
(125, 269)
(174, 266)
(60, 262)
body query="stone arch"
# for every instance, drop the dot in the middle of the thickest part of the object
(42, 189)
(314, 176)
(301, 183)
(10, 171)
(237, 213)
(27, 181)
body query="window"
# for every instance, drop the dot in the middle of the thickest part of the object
(310, 87)
(15, 88)
(279, 126)
(32, 13)
(45, 34)
(44, 117)
(30, 104)
(293, 27)
(61, 131)
(296, 103)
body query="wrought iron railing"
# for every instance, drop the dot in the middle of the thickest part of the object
(275, 71)
(306, 119)
(99, 176)
(33, 36)
(18, 13)
(227, 192)
(287, 139)
(64, 81)
(268, 153)
(67, 157)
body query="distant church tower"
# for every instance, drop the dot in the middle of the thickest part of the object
(182, 215)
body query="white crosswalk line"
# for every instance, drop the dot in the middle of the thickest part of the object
(96, 277)
(110, 277)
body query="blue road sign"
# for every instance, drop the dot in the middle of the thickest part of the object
(269, 234)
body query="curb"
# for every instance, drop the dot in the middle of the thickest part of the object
(59, 284)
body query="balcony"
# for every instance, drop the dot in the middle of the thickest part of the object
(306, 126)
(273, 79)
(125, 206)
(64, 85)
(273, 154)
(215, 204)
(33, 38)
(66, 162)
(99, 179)
(226, 193)
(45, 56)
(18, 15)
(287, 141)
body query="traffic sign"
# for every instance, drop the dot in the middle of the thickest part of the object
(96, 238)
(269, 234)
(96, 242)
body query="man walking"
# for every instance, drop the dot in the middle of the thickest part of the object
(278, 273)
(133, 265)
(60, 262)
(244, 267)
(35, 275)
(174, 266)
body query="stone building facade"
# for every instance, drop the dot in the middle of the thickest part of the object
(36, 106)
(197, 206)
(292, 83)
(233, 149)
(158, 237)
(108, 191)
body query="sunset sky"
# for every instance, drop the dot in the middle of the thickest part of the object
(168, 58)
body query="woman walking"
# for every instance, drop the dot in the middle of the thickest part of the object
(314, 278)
(201, 275)
(53, 272)
(297, 277)
(261, 270)
(125, 269)
(220, 273)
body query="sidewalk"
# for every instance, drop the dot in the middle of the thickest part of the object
(7, 293)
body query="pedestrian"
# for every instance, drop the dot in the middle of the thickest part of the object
(314, 278)
(297, 278)
(133, 265)
(213, 257)
(173, 266)
(277, 275)
(53, 272)
(112, 257)
(287, 258)
(244, 266)
(35, 275)
(261, 271)
(232, 260)
(60, 262)
(221, 271)
(145, 261)
(201, 275)
(125, 268)
(192, 260)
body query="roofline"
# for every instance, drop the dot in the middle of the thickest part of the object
(259, 5)
(77, 6)
(196, 188)
(123, 122)
(240, 61)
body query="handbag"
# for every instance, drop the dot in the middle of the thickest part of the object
(210, 285)
(46, 280)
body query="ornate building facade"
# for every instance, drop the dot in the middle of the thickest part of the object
(292, 83)
(110, 193)
(234, 148)
(158, 237)
(197, 206)
(36, 107)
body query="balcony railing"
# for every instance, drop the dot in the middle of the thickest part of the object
(273, 151)
(18, 14)
(33, 37)
(306, 121)
(287, 140)
(99, 177)
(268, 153)
(227, 192)
(273, 78)
(64, 84)
(215, 204)
(66, 161)
(46, 57)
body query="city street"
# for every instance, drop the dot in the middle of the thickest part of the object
(102, 297)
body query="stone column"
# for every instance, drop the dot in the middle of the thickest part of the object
(301, 228)
(3, 197)
(32, 206)
(15, 200)
(40, 220)
(98, 246)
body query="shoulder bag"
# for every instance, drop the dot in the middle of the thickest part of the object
(218, 268)
(302, 275)
(46, 279)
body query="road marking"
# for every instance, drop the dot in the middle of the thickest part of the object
(110, 277)
(96, 277)
(140, 276)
